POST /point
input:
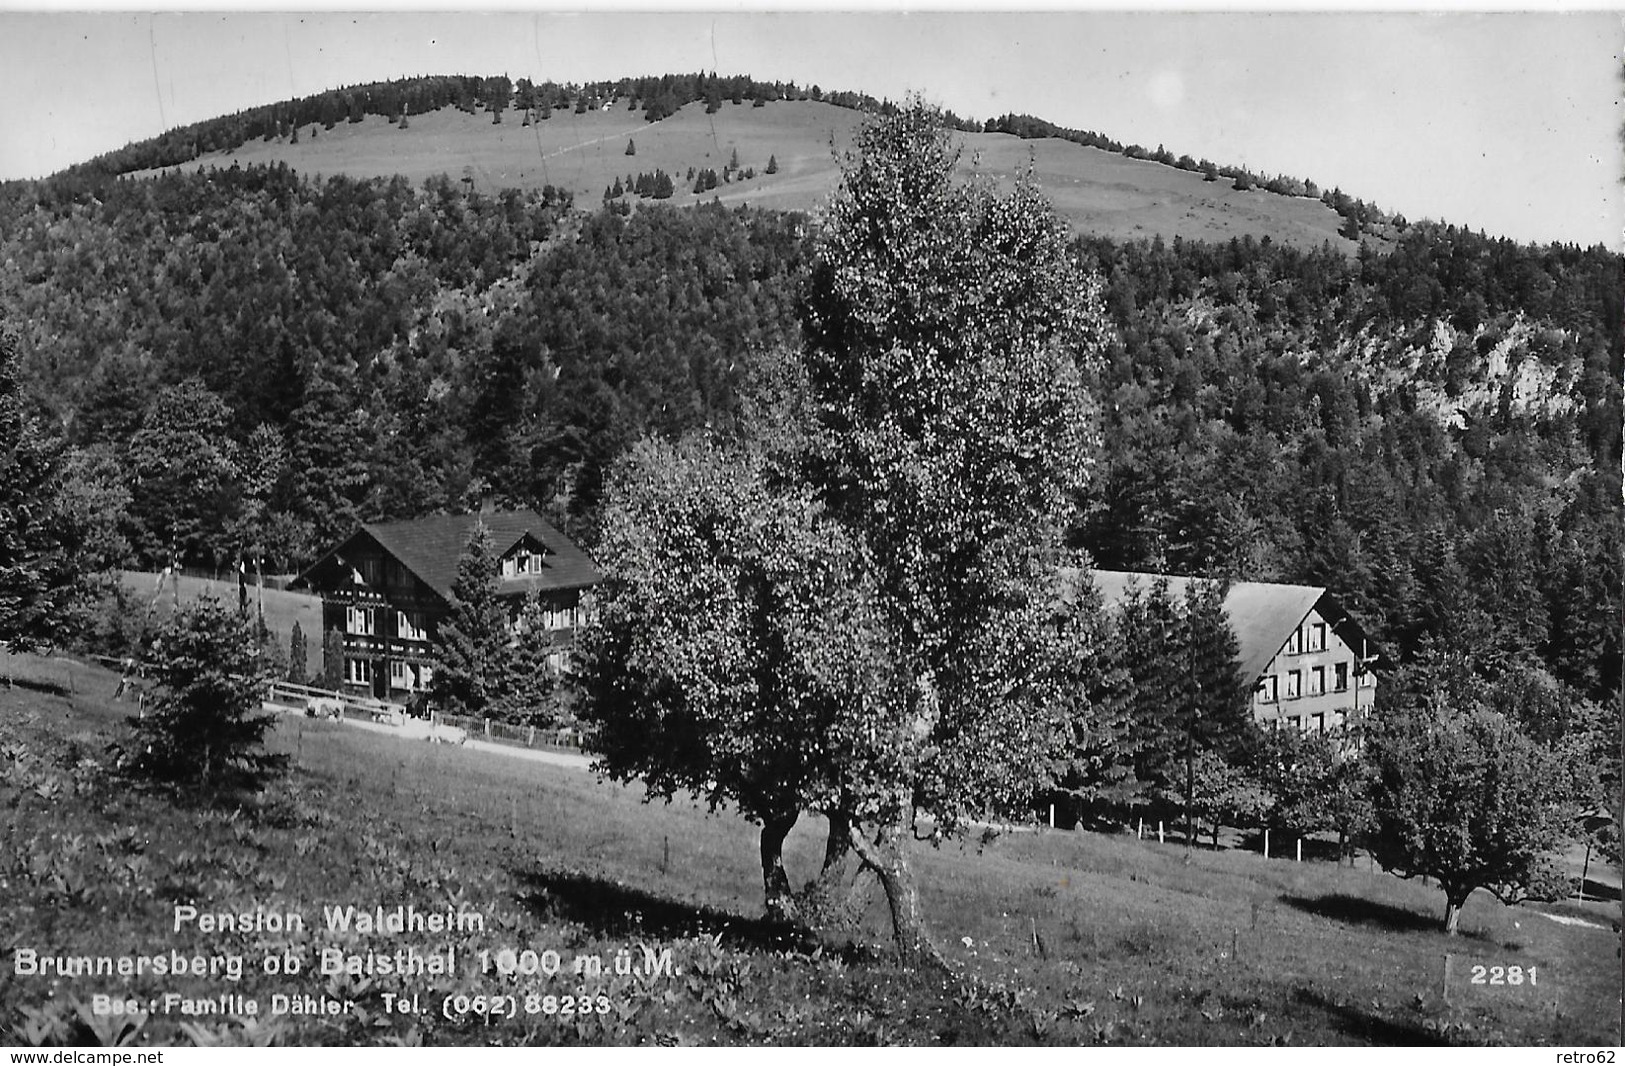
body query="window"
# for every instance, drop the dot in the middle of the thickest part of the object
(400, 676)
(1268, 691)
(1294, 643)
(521, 563)
(1340, 677)
(1317, 681)
(424, 673)
(358, 671)
(409, 626)
(1316, 633)
(359, 620)
(1294, 679)
(1317, 723)
(1295, 722)
(1367, 679)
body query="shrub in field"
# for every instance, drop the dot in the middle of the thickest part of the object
(1461, 794)
(204, 728)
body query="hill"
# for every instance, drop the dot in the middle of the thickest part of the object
(1099, 192)
(1431, 431)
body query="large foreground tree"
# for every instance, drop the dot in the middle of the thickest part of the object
(945, 436)
(735, 653)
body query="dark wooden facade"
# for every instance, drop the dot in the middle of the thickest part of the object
(387, 589)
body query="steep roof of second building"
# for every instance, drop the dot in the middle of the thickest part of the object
(1262, 614)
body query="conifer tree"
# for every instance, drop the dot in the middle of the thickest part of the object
(1213, 711)
(183, 476)
(205, 727)
(527, 678)
(471, 653)
(296, 655)
(43, 569)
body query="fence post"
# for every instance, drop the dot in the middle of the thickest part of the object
(1266, 843)
(1300, 849)
(488, 727)
(530, 741)
(1159, 831)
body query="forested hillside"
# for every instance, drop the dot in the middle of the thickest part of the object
(367, 349)
(1433, 434)
(254, 359)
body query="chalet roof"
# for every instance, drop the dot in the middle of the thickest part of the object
(430, 548)
(1262, 614)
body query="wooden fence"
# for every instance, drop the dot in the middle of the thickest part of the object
(298, 697)
(287, 694)
(559, 738)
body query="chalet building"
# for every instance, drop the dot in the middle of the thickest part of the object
(1305, 658)
(387, 589)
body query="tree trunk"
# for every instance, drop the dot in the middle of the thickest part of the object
(775, 882)
(837, 847)
(828, 901)
(1454, 901)
(1190, 792)
(886, 857)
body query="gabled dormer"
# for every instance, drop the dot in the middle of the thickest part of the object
(527, 558)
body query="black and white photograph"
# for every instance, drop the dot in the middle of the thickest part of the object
(799, 528)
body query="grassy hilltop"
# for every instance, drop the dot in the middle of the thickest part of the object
(1100, 193)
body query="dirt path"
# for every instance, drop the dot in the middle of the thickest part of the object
(596, 140)
(418, 729)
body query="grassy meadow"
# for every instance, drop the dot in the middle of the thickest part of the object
(1055, 936)
(282, 608)
(1097, 192)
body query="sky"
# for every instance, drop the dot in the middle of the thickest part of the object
(1507, 122)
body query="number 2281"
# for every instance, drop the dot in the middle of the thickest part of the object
(1505, 975)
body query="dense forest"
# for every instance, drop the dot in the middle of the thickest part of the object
(375, 350)
(251, 360)
(1432, 433)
